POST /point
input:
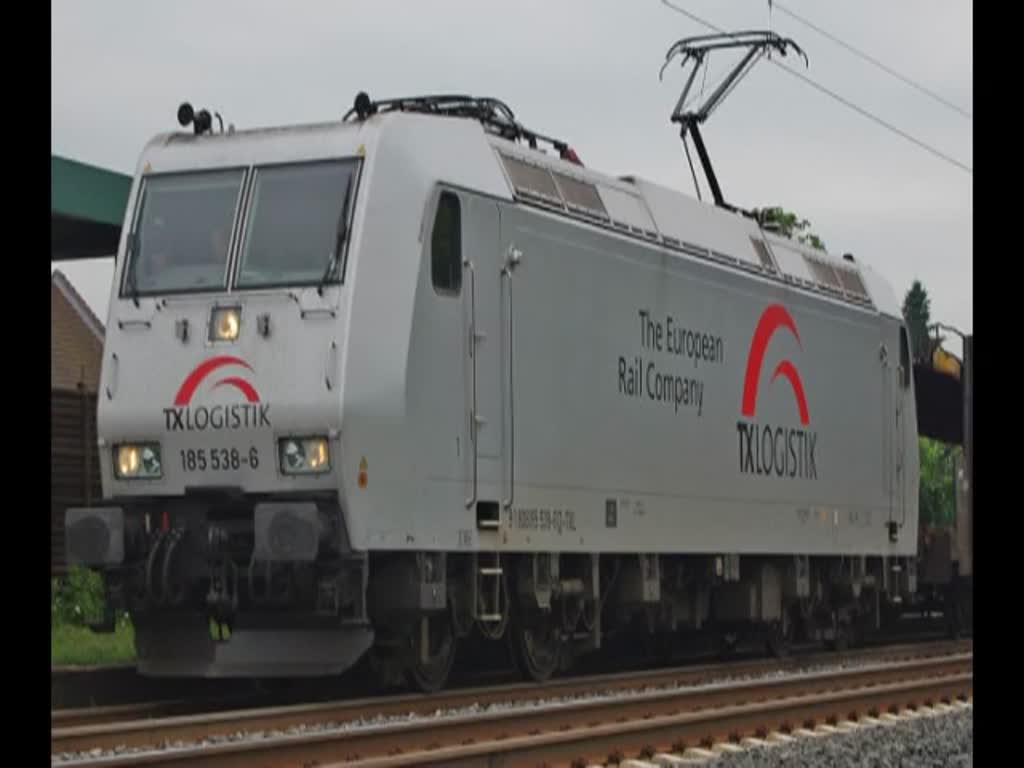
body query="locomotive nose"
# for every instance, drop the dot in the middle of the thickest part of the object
(246, 396)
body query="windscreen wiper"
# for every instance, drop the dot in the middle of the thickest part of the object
(339, 241)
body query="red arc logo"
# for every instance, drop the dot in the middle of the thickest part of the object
(205, 368)
(773, 318)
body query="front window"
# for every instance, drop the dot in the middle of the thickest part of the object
(182, 231)
(298, 224)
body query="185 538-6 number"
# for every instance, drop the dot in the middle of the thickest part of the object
(218, 459)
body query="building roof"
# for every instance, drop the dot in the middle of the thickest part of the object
(76, 339)
(74, 298)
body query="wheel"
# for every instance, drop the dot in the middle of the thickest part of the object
(432, 654)
(384, 668)
(842, 638)
(842, 641)
(777, 641)
(726, 645)
(657, 641)
(658, 648)
(956, 613)
(536, 644)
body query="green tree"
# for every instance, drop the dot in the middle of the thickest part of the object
(789, 224)
(917, 315)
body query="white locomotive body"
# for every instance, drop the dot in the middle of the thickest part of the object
(374, 385)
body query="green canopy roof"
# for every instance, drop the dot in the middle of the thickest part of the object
(87, 206)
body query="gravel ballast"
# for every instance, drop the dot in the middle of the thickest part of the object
(927, 741)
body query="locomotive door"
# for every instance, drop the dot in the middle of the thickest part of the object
(888, 408)
(901, 391)
(485, 347)
(895, 384)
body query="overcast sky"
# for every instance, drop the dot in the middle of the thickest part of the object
(586, 71)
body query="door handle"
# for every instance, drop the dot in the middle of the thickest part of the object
(330, 365)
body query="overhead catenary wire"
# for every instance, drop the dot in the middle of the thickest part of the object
(872, 60)
(845, 102)
(876, 119)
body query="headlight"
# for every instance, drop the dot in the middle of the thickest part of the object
(224, 323)
(304, 455)
(137, 460)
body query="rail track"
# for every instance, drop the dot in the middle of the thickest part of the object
(131, 715)
(567, 720)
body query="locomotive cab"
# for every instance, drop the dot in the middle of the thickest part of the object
(220, 408)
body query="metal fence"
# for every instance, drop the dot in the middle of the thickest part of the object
(74, 463)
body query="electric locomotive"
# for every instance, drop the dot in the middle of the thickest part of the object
(373, 386)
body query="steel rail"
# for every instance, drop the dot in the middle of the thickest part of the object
(155, 722)
(564, 725)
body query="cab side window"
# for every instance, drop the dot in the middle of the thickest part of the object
(446, 246)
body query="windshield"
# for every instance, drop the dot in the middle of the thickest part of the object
(181, 236)
(297, 223)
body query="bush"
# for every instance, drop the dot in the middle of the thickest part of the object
(937, 494)
(77, 598)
